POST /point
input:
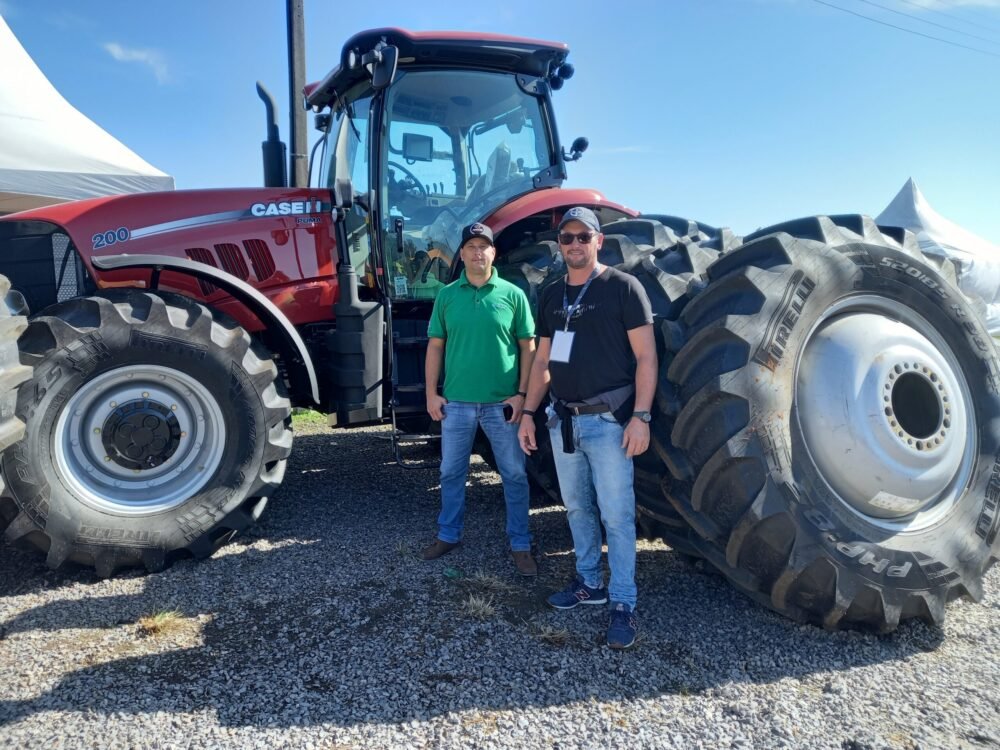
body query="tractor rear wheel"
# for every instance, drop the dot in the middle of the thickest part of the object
(837, 429)
(154, 429)
(669, 256)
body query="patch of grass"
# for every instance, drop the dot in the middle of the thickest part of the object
(480, 607)
(302, 417)
(903, 741)
(552, 635)
(490, 583)
(162, 623)
(486, 723)
(403, 549)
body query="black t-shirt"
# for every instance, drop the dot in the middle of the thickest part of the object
(601, 358)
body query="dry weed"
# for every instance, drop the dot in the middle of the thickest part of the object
(480, 607)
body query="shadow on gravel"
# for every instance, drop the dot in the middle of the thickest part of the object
(325, 614)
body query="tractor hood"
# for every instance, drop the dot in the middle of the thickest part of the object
(134, 223)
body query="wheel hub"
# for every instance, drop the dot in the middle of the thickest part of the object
(883, 410)
(140, 439)
(141, 434)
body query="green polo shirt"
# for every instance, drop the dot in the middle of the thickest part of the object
(481, 328)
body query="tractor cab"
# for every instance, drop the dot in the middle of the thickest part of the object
(436, 132)
(432, 131)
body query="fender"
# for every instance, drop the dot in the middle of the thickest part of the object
(261, 305)
(555, 200)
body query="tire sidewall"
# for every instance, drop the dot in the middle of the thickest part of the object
(820, 277)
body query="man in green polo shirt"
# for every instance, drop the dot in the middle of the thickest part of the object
(482, 329)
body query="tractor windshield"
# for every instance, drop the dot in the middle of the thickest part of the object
(457, 145)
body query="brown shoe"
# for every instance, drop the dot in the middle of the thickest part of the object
(437, 549)
(524, 562)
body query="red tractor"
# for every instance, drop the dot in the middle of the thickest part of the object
(827, 424)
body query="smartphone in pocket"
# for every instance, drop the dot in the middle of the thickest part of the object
(508, 412)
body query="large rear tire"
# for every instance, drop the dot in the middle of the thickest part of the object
(670, 257)
(154, 429)
(838, 427)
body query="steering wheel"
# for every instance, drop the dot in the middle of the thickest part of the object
(413, 177)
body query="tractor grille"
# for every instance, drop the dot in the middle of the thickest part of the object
(64, 264)
(43, 265)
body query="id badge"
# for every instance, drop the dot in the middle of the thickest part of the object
(562, 344)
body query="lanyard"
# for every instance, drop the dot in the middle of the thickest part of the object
(576, 304)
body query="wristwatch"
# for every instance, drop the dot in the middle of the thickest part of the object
(643, 416)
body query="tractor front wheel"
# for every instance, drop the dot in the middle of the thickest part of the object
(154, 429)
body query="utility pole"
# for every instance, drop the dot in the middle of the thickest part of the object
(298, 163)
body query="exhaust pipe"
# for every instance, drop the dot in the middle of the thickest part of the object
(273, 148)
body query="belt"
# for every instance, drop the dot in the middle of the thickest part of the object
(564, 412)
(588, 409)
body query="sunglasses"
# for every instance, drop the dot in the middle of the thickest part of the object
(566, 238)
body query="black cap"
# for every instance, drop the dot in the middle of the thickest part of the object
(476, 230)
(582, 215)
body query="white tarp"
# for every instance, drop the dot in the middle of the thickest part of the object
(977, 261)
(50, 152)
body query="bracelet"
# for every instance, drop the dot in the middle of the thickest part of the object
(522, 394)
(529, 412)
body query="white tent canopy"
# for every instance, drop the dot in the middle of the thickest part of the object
(977, 261)
(50, 152)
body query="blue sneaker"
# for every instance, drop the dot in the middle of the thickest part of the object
(623, 626)
(578, 593)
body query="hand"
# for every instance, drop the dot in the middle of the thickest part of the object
(516, 403)
(635, 441)
(435, 406)
(526, 435)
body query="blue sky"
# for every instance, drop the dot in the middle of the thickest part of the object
(739, 113)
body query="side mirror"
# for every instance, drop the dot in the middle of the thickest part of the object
(576, 150)
(385, 63)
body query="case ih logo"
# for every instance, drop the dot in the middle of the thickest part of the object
(287, 208)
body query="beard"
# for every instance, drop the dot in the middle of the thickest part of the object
(578, 261)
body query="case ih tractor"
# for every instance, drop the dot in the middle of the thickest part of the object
(827, 423)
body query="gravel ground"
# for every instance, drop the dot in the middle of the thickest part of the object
(322, 629)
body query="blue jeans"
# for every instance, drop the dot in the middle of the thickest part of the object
(458, 431)
(596, 486)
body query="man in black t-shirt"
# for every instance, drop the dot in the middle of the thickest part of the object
(597, 356)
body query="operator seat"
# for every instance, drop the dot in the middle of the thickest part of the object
(497, 173)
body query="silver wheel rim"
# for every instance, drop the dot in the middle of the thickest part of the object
(139, 479)
(886, 413)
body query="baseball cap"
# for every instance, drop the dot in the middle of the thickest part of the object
(583, 215)
(476, 230)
